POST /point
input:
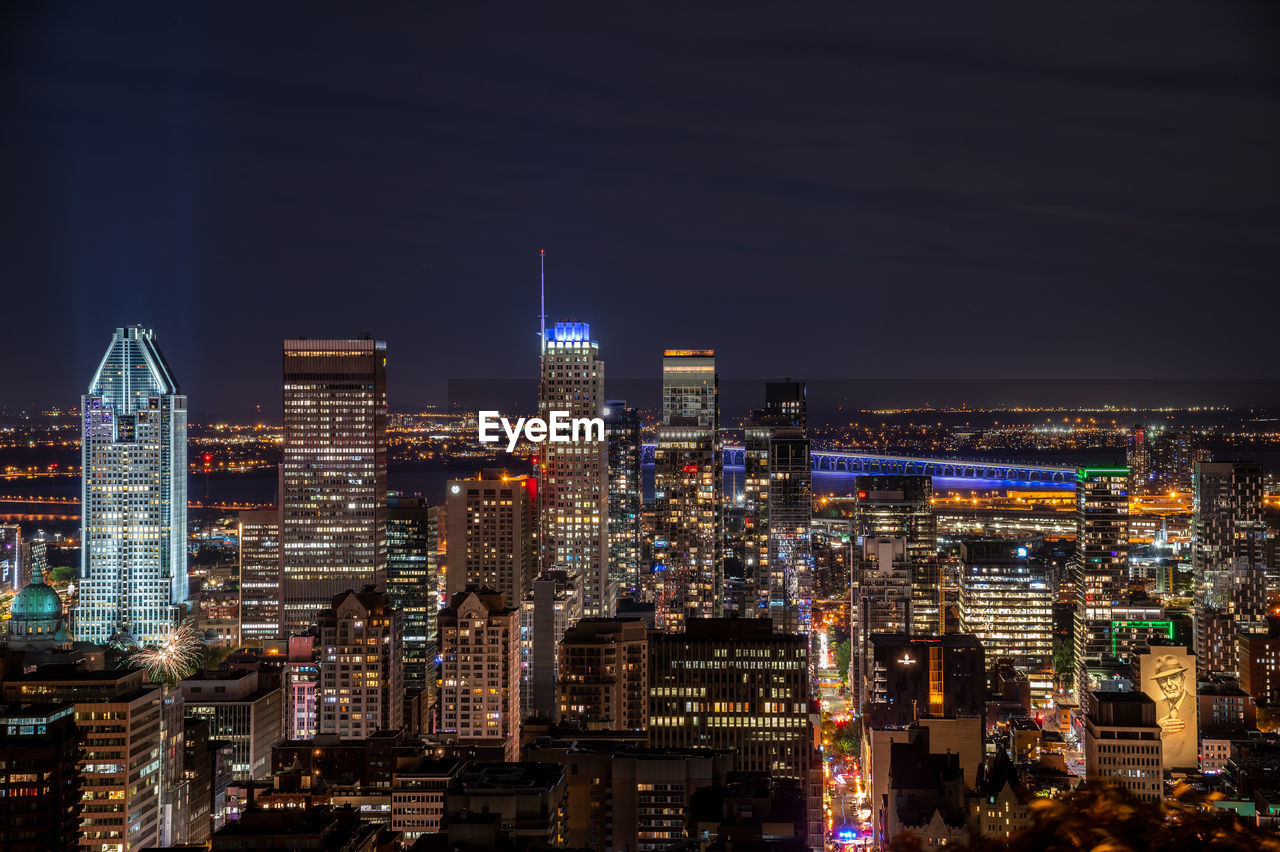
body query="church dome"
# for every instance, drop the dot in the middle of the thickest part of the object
(37, 600)
(35, 616)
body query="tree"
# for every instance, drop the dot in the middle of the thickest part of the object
(844, 654)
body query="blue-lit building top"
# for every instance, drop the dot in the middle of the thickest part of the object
(571, 333)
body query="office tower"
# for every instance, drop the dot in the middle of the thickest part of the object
(573, 507)
(604, 675)
(259, 534)
(1173, 456)
(174, 790)
(40, 787)
(733, 684)
(530, 796)
(626, 497)
(691, 387)
(778, 507)
(902, 507)
(11, 568)
(480, 672)
(880, 603)
(1006, 602)
(361, 690)
(133, 559)
(1138, 460)
(490, 533)
(119, 718)
(648, 792)
(240, 711)
(1122, 743)
(913, 677)
(688, 528)
(1228, 559)
(554, 605)
(301, 681)
(412, 581)
(736, 684)
(334, 474)
(1100, 565)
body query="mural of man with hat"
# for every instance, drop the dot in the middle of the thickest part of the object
(1171, 679)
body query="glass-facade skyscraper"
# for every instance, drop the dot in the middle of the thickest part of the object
(133, 563)
(333, 529)
(626, 495)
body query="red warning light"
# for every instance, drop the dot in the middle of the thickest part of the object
(862, 495)
(208, 458)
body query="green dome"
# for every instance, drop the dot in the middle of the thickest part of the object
(36, 600)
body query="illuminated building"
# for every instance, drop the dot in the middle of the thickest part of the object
(259, 536)
(574, 489)
(1100, 566)
(734, 684)
(11, 568)
(133, 562)
(1122, 743)
(301, 678)
(688, 491)
(240, 711)
(361, 667)
(646, 792)
(40, 787)
(119, 717)
(626, 498)
(1173, 456)
(1228, 559)
(1259, 664)
(554, 605)
(412, 582)
(604, 675)
(1006, 602)
(831, 543)
(913, 677)
(480, 672)
(1138, 460)
(881, 603)
(691, 387)
(902, 507)
(778, 497)
(687, 499)
(333, 474)
(490, 542)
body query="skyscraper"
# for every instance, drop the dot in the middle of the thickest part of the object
(1100, 565)
(259, 534)
(412, 583)
(134, 492)
(626, 497)
(1228, 559)
(778, 497)
(688, 491)
(334, 473)
(902, 507)
(881, 603)
(573, 488)
(490, 533)
(1138, 460)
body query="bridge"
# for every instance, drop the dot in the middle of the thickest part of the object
(859, 462)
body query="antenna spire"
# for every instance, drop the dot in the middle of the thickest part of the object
(542, 265)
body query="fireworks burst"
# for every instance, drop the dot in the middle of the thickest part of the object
(179, 656)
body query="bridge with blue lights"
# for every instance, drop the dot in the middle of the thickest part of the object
(870, 463)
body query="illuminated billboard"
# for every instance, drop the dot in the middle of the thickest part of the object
(1169, 679)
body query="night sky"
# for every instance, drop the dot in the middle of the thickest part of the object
(844, 190)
